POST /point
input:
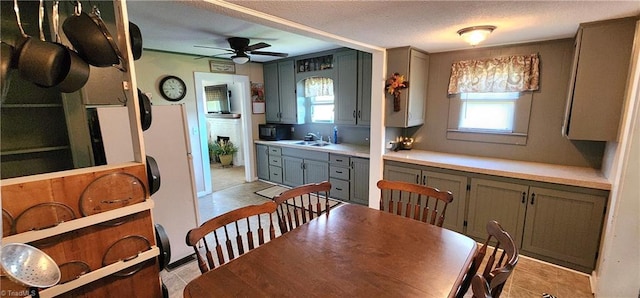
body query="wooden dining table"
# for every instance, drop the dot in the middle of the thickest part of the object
(354, 251)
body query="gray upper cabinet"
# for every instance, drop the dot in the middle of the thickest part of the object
(347, 87)
(364, 89)
(280, 92)
(598, 79)
(414, 65)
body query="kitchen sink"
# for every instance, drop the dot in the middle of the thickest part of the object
(311, 143)
(319, 144)
(303, 143)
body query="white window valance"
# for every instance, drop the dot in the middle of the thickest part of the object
(501, 74)
(318, 87)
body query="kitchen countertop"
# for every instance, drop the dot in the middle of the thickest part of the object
(345, 149)
(567, 175)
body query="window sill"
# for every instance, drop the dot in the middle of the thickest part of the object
(487, 137)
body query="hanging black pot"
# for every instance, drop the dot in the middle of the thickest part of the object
(162, 240)
(90, 37)
(78, 69)
(145, 110)
(153, 175)
(43, 63)
(135, 37)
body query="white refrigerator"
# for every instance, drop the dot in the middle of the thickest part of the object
(176, 202)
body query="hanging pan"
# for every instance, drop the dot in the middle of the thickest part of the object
(153, 175)
(78, 70)
(90, 37)
(135, 37)
(145, 110)
(41, 62)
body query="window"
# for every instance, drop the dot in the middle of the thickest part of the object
(318, 93)
(501, 117)
(487, 111)
(322, 109)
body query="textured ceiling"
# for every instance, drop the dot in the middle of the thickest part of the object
(427, 25)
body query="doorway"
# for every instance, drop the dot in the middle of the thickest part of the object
(233, 125)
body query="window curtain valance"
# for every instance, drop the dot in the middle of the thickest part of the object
(501, 74)
(318, 87)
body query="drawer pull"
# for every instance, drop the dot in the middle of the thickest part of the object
(340, 160)
(339, 172)
(338, 188)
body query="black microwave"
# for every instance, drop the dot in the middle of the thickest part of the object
(275, 132)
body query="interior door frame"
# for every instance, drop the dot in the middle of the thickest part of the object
(245, 110)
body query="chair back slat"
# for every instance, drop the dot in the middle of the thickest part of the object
(500, 263)
(301, 204)
(243, 218)
(414, 201)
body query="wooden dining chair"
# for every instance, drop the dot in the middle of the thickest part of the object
(415, 201)
(244, 224)
(301, 204)
(500, 264)
(480, 287)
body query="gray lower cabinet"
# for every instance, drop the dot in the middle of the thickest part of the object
(359, 180)
(455, 214)
(262, 161)
(562, 227)
(555, 223)
(304, 166)
(349, 177)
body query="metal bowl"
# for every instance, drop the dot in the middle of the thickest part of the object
(28, 265)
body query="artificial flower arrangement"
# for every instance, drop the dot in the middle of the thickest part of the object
(394, 85)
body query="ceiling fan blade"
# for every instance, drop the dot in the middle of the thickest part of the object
(269, 53)
(211, 56)
(257, 46)
(216, 48)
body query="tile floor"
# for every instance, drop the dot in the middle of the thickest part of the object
(531, 278)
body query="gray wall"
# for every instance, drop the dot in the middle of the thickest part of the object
(545, 142)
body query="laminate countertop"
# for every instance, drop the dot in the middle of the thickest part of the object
(344, 149)
(559, 174)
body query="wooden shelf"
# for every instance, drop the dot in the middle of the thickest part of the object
(30, 106)
(78, 223)
(98, 274)
(33, 150)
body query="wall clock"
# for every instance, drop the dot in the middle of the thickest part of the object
(172, 88)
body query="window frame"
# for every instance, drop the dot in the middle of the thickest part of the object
(520, 128)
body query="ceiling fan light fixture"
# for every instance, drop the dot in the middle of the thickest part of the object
(240, 58)
(476, 34)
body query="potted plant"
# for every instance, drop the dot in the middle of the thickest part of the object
(224, 150)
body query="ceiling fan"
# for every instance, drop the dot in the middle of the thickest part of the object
(240, 48)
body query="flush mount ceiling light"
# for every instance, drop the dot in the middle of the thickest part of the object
(476, 34)
(240, 58)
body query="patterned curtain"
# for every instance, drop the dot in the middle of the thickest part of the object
(501, 74)
(318, 87)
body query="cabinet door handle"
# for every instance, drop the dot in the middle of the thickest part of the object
(360, 114)
(424, 180)
(354, 113)
(524, 194)
(533, 198)
(417, 179)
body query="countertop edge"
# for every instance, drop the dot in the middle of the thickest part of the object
(344, 149)
(558, 174)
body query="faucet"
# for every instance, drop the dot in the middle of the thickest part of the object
(314, 136)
